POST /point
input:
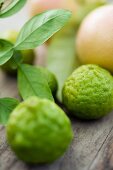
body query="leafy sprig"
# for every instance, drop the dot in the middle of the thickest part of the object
(31, 80)
(35, 32)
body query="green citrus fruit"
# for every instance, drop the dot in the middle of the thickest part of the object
(51, 79)
(9, 35)
(27, 55)
(98, 2)
(88, 92)
(38, 131)
(95, 38)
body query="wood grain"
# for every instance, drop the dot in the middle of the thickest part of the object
(91, 149)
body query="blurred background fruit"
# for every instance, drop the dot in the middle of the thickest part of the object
(28, 56)
(95, 38)
(38, 6)
(98, 2)
(79, 8)
(10, 67)
(85, 7)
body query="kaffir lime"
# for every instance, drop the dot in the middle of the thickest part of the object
(38, 131)
(88, 92)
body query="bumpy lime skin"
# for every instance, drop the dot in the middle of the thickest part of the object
(51, 79)
(88, 92)
(38, 131)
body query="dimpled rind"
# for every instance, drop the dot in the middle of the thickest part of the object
(38, 131)
(88, 92)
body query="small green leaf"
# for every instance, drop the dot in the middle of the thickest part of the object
(31, 82)
(40, 28)
(6, 51)
(6, 107)
(61, 57)
(11, 7)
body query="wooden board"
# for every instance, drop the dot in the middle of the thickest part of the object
(91, 149)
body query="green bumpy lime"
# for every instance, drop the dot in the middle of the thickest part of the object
(38, 131)
(51, 79)
(88, 92)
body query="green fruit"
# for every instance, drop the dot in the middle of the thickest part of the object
(9, 35)
(88, 92)
(85, 9)
(27, 55)
(51, 79)
(38, 131)
(89, 2)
